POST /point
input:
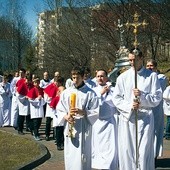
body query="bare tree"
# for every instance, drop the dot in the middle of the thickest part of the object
(18, 34)
(85, 33)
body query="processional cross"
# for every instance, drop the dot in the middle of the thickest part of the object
(135, 24)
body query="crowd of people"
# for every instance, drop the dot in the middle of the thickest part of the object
(101, 127)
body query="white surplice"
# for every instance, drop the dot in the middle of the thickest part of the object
(14, 104)
(151, 95)
(104, 133)
(159, 120)
(23, 105)
(77, 151)
(90, 83)
(166, 101)
(5, 104)
(36, 108)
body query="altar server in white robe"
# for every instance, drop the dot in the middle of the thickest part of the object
(77, 140)
(49, 93)
(149, 95)
(36, 99)
(87, 78)
(166, 106)
(104, 130)
(5, 102)
(23, 103)
(14, 105)
(158, 112)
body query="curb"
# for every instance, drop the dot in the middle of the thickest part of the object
(45, 155)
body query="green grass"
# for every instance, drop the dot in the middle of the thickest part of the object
(16, 151)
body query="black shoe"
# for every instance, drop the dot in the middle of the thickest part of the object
(47, 138)
(60, 148)
(20, 133)
(16, 128)
(167, 138)
(32, 132)
(28, 130)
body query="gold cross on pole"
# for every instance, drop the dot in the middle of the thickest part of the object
(136, 24)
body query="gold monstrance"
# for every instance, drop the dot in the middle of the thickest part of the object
(135, 24)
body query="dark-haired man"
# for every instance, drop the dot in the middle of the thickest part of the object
(87, 78)
(77, 139)
(129, 101)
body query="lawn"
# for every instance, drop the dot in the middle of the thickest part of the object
(16, 151)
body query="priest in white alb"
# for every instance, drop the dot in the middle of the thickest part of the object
(149, 95)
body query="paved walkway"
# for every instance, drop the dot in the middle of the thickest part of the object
(56, 161)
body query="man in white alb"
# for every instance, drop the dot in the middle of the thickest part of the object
(148, 94)
(104, 130)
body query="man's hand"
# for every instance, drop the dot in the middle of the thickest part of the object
(135, 105)
(76, 111)
(105, 89)
(70, 119)
(136, 101)
(136, 92)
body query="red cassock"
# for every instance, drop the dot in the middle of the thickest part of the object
(51, 90)
(54, 102)
(22, 87)
(35, 92)
(20, 82)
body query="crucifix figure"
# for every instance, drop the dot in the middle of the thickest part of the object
(136, 24)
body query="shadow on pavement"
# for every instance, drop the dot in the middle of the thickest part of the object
(45, 155)
(163, 163)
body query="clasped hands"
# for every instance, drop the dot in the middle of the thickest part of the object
(105, 89)
(136, 102)
(70, 117)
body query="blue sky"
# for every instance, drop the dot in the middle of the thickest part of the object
(32, 6)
